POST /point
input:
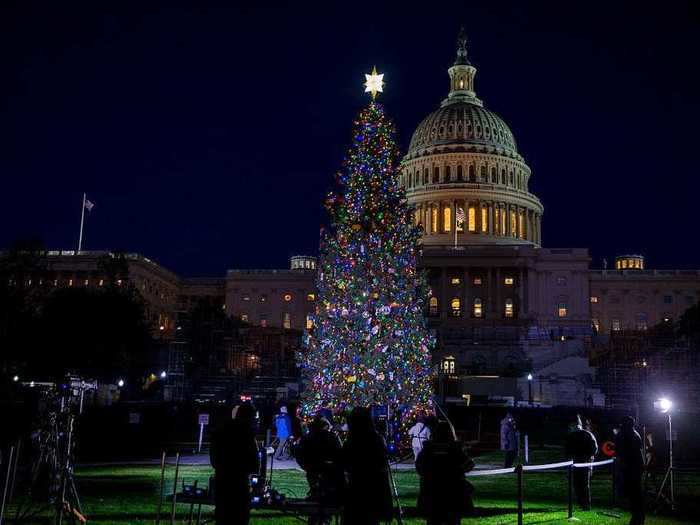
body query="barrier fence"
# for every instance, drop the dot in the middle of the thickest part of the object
(568, 465)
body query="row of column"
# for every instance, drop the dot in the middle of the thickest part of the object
(490, 218)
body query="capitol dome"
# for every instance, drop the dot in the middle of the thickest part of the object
(473, 127)
(463, 172)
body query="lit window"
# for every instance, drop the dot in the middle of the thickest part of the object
(246, 297)
(448, 365)
(456, 306)
(642, 321)
(433, 219)
(70, 282)
(244, 318)
(102, 282)
(497, 220)
(521, 230)
(484, 220)
(477, 308)
(508, 281)
(472, 219)
(561, 281)
(447, 219)
(562, 310)
(513, 224)
(309, 322)
(477, 281)
(119, 282)
(263, 298)
(287, 297)
(456, 280)
(594, 299)
(263, 321)
(416, 216)
(433, 305)
(504, 218)
(509, 308)
(616, 325)
(287, 321)
(86, 282)
(596, 324)
(310, 296)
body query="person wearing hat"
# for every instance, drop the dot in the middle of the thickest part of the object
(283, 428)
(581, 446)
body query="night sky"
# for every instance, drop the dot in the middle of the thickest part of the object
(208, 136)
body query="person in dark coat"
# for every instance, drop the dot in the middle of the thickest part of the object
(510, 440)
(444, 493)
(581, 446)
(629, 453)
(319, 454)
(368, 496)
(234, 456)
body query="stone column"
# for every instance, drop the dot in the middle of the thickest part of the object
(444, 298)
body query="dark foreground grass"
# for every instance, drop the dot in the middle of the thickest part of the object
(129, 494)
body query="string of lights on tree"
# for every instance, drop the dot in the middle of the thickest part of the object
(369, 344)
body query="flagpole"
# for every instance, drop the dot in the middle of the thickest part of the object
(82, 221)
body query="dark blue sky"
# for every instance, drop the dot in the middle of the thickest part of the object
(207, 135)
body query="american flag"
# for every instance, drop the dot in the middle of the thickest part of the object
(89, 205)
(460, 215)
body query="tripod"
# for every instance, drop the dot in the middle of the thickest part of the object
(670, 500)
(395, 493)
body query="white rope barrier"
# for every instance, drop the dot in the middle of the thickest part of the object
(547, 466)
(593, 464)
(492, 472)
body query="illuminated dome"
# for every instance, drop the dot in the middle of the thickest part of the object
(463, 126)
(463, 172)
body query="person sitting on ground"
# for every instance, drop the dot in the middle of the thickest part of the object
(234, 456)
(581, 446)
(419, 434)
(510, 440)
(445, 495)
(319, 454)
(283, 428)
(368, 497)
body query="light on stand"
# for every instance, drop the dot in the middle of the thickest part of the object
(120, 383)
(163, 374)
(664, 405)
(529, 389)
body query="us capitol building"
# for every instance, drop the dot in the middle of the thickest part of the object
(503, 305)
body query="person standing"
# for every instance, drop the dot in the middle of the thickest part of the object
(234, 456)
(419, 434)
(629, 453)
(444, 493)
(283, 429)
(510, 439)
(581, 446)
(368, 496)
(319, 454)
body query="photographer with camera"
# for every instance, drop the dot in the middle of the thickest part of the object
(234, 456)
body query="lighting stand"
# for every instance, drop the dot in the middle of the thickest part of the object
(669, 471)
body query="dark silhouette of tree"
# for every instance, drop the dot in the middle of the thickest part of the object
(689, 323)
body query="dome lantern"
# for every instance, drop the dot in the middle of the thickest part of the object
(462, 75)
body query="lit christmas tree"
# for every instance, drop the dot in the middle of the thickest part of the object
(369, 344)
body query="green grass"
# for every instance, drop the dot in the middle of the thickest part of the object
(129, 494)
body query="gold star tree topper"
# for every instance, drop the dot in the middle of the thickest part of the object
(374, 83)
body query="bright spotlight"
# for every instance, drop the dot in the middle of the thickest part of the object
(529, 377)
(664, 404)
(120, 383)
(163, 374)
(15, 378)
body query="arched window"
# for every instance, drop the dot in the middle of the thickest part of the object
(425, 176)
(494, 175)
(436, 175)
(497, 220)
(460, 174)
(511, 178)
(433, 219)
(503, 176)
(484, 219)
(447, 219)
(478, 311)
(433, 305)
(472, 175)
(483, 177)
(410, 180)
(448, 175)
(456, 306)
(513, 224)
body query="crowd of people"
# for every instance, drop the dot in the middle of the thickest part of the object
(353, 477)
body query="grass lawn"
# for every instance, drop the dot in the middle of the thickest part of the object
(128, 494)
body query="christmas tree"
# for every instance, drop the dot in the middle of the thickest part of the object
(369, 344)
